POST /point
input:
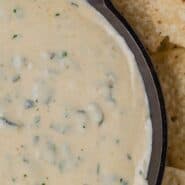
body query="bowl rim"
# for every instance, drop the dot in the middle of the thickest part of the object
(152, 87)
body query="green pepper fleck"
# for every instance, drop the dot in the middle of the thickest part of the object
(28, 104)
(57, 14)
(129, 157)
(16, 78)
(123, 182)
(74, 4)
(14, 10)
(25, 175)
(98, 169)
(14, 36)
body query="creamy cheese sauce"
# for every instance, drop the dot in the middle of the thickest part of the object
(73, 108)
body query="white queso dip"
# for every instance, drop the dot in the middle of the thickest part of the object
(73, 108)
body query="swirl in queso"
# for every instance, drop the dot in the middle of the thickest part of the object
(73, 108)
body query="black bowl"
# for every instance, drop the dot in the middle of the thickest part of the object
(152, 87)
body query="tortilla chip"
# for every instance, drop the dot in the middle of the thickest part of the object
(170, 66)
(168, 16)
(174, 177)
(137, 15)
(154, 20)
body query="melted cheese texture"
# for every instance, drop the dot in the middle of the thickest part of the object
(73, 108)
